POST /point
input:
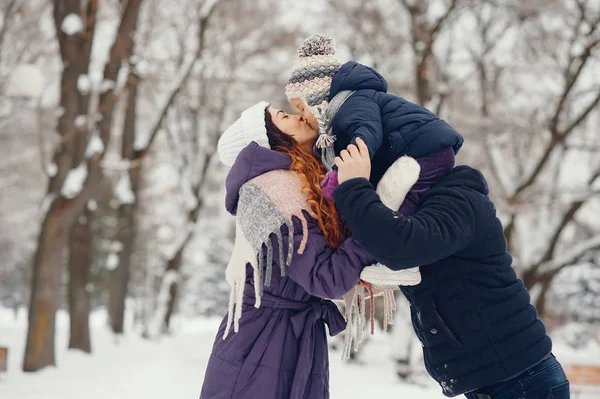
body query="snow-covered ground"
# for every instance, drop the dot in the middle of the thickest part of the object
(173, 367)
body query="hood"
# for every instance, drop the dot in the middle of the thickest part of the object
(251, 162)
(465, 177)
(354, 76)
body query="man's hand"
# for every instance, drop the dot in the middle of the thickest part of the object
(354, 162)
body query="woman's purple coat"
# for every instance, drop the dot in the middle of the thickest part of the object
(280, 350)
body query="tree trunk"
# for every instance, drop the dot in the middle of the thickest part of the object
(79, 277)
(54, 234)
(173, 265)
(423, 85)
(119, 278)
(424, 35)
(530, 278)
(81, 238)
(540, 303)
(47, 266)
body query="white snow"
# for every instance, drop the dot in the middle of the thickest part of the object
(122, 76)
(92, 205)
(25, 81)
(142, 67)
(157, 323)
(72, 24)
(141, 142)
(83, 84)
(173, 366)
(116, 246)
(80, 121)
(572, 255)
(171, 249)
(577, 49)
(46, 204)
(95, 146)
(123, 191)
(112, 261)
(189, 199)
(74, 181)
(116, 164)
(60, 111)
(107, 85)
(207, 6)
(52, 169)
(165, 233)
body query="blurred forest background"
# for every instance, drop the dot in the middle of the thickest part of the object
(110, 111)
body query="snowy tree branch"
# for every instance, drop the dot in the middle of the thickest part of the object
(203, 22)
(6, 18)
(566, 218)
(558, 136)
(570, 257)
(439, 23)
(584, 114)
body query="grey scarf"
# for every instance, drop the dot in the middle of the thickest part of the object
(324, 144)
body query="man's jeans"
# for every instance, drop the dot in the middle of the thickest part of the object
(547, 380)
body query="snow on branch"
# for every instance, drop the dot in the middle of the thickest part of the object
(46, 204)
(170, 250)
(72, 24)
(83, 84)
(95, 146)
(170, 277)
(207, 8)
(123, 191)
(52, 170)
(74, 181)
(189, 198)
(572, 255)
(112, 261)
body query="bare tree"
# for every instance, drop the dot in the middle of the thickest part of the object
(73, 184)
(537, 140)
(118, 285)
(423, 36)
(212, 97)
(81, 231)
(24, 44)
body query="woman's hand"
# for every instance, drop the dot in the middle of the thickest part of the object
(354, 162)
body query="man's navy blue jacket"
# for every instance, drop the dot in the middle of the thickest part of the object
(472, 314)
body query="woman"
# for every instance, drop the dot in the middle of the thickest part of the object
(276, 303)
(480, 334)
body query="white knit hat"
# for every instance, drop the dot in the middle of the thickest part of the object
(250, 126)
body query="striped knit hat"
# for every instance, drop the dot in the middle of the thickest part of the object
(311, 75)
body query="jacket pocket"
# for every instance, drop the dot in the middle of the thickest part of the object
(445, 326)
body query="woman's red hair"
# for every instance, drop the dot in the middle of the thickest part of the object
(311, 173)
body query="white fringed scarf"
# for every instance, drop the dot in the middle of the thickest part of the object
(266, 203)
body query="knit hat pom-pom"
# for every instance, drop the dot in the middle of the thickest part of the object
(317, 45)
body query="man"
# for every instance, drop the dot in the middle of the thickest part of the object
(480, 334)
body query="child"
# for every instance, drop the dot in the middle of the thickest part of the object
(389, 125)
